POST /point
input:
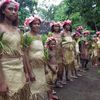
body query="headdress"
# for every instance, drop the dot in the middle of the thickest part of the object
(31, 19)
(8, 1)
(67, 22)
(79, 28)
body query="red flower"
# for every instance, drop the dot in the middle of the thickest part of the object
(67, 22)
(98, 32)
(8, 1)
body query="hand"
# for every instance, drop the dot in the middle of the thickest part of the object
(32, 79)
(54, 72)
(27, 77)
(3, 88)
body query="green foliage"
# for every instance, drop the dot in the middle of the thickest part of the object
(89, 10)
(26, 41)
(47, 13)
(60, 12)
(27, 8)
(1, 43)
(23, 13)
(46, 55)
(44, 38)
(77, 19)
(82, 12)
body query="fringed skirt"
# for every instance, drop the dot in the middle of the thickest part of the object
(14, 77)
(39, 87)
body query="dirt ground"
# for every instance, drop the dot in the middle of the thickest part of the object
(86, 87)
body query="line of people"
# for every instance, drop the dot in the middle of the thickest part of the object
(32, 64)
(69, 53)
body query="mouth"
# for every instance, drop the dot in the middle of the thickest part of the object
(13, 16)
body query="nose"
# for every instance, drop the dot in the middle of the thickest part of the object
(37, 25)
(13, 11)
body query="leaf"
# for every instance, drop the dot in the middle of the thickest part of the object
(98, 71)
(27, 40)
(1, 36)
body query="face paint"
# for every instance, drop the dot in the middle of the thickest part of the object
(12, 7)
(11, 11)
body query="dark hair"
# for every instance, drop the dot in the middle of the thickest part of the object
(52, 28)
(64, 26)
(2, 15)
(30, 25)
(48, 43)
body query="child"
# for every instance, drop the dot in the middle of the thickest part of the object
(52, 66)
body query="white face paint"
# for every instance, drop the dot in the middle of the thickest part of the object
(11, 11)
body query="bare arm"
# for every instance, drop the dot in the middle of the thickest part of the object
(27, 66)
(3, 84)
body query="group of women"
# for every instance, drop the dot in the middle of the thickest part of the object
(31, 67)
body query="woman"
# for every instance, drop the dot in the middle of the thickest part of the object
(36, 54)
(12, 78)
(76, 37)
(79, 29)
(94, 50)
(69, 50)
(84, 47)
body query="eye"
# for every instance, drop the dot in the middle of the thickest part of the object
(11, 9)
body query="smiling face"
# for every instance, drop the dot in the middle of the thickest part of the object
(35, 25)
(67, 27)
(56, 28)
(11, 11)
(52, 44)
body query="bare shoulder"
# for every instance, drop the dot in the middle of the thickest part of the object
(17, 29)
(1, 28)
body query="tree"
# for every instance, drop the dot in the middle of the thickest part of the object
(27, 8)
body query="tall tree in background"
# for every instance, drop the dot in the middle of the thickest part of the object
(27, 7)
(82, 12)
(89, 10)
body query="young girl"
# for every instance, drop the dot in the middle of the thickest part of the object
(12, 78)
(69, 50)
(52, 65)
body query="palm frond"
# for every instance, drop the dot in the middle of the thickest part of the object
(27, 40)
